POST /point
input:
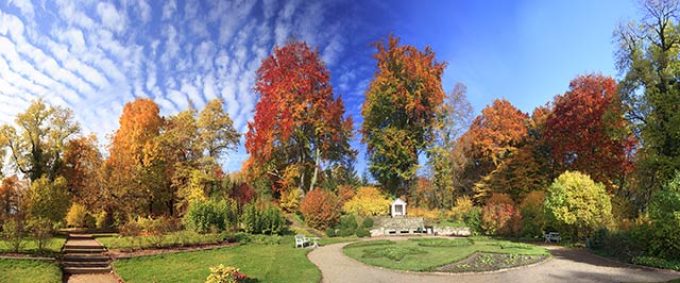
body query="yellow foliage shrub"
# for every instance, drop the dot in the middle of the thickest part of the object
(290, 200)
(76, 216)
(429, 214)
(368, 201)
(462, 207)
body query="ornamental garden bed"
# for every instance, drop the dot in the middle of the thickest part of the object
(491, 261)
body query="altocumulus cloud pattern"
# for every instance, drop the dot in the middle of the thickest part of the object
(94, 56)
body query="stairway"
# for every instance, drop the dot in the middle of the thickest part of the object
(82, 254)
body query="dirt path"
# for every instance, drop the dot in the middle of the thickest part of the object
(566, 265)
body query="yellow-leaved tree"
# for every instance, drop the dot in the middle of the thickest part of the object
(368, 201)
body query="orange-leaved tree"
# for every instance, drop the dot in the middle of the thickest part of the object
(298, 120)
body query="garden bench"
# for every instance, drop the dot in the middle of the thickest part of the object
(301, 241)
(552, 237)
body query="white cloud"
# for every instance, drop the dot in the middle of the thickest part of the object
(25, 6)
(110, 16)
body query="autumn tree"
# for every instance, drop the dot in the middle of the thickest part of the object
(494, 137)
(445, 163)
(36, 145)
(298, 121)
(648, 57)
(48, 199)
(586, 131)
(402, 104)
(127, 176)
(82, 170)
(11, 196)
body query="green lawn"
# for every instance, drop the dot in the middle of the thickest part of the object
(30, 246)
(25, 270)
(266, 263)
(424, 255)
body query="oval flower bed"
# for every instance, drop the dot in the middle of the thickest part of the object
(444, 254)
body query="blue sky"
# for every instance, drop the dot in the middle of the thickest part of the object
(93, 56)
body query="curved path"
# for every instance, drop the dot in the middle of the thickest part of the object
(566, 265)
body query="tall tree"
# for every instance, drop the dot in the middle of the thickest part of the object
(494, 137)
(82, 170)
(587, 132)
(298, 121)
(400, 110)
(446, 166)
(216, 130)
(648, 55)
(128, 179)
(37, 145)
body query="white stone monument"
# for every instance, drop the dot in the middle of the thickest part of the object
(398, 208)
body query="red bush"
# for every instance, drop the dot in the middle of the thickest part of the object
(499, 216)
(320, 209)
(345, 193)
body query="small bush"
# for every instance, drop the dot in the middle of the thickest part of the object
(370, 243)
(473, 220)
(664, 213)
(462, 207)
(263, 218)
(100, 220)
(225, 274)
(363, 232)
(532, 214)
(290, 200)
(330, 232)
(320, 208)
(129, 229)
(367, 223)
(211, 215)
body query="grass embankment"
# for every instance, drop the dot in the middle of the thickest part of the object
(29, 271)
(175, 239)
(426, 254)
(272, 262)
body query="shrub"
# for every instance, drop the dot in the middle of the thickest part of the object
(532, 214)
(473, 219)
(100, 220)
(13, 233)
(462, 207)
(657, 262)
(290, 200)
(348, 225)
(362, 232)
(76, 215)
(367, 223)
(330, 232)
(428, 214)
(225, 274)
(497, 215)
(320, 208)
(41, 231)
(210, 216)
(131, 228)
(368, 201)
(576, 205)
(262, 218)
(664, 213)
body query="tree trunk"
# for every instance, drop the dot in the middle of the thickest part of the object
(317, 160)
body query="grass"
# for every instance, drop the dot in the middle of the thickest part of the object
(175, 239)
(28, 271)
(414, 256)
(30, 246)
(263, 262)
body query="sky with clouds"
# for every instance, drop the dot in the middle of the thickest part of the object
(94, 56)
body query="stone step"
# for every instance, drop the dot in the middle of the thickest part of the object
(85, 257)
(80, 236)
(87, 270)
(66, 264)
(75, 246)
(83, 251)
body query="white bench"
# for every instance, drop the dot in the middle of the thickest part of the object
(302, 241)
(552, 237)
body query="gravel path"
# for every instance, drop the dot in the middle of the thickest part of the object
(566, 265)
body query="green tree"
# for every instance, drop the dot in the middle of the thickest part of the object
(576, 205)
(401, 108)
(649, 56)
(664, 211)
(37, 143)
(49, 199)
